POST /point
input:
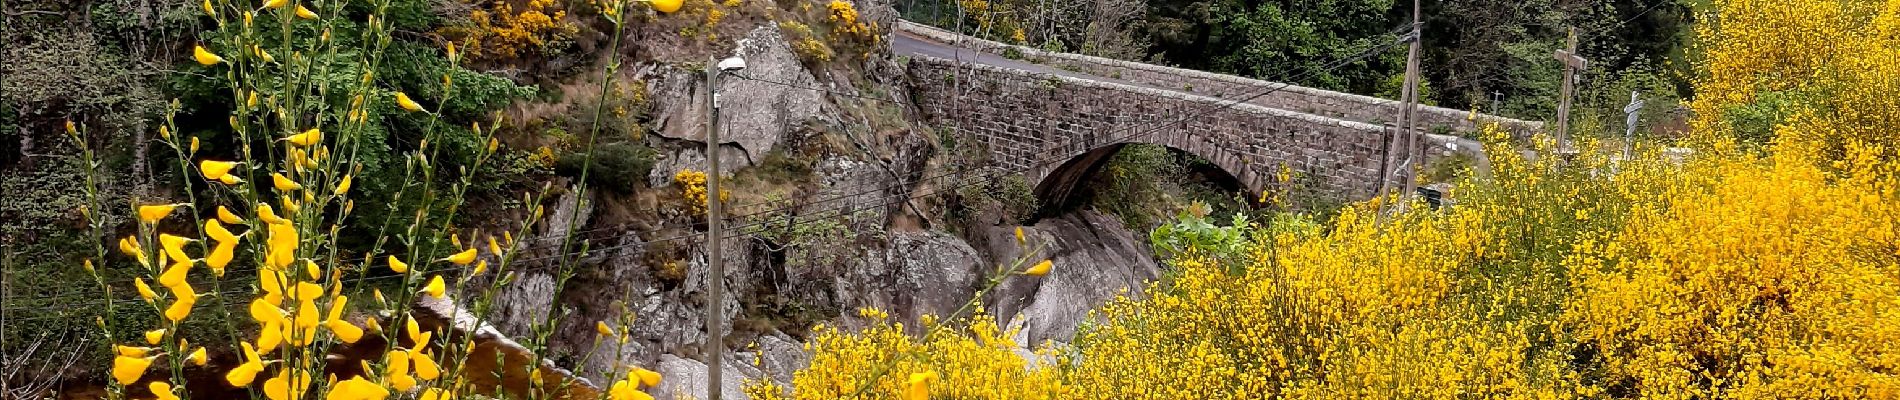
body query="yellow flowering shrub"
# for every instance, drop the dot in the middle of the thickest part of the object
(971, 361)
(845, 23)
(806, 43)
(498, 32)
(1716, 273)
(1815, 75)
(259, 239)
(692, 184)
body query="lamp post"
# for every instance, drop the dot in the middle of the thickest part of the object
(715, 346)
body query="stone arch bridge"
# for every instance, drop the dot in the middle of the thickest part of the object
(1057, 116)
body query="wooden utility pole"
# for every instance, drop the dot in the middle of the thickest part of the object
(715, 346)
(1409, 114)
(1572, 64)
(1398, 152)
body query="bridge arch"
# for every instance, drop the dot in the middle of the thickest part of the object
(1059, 184)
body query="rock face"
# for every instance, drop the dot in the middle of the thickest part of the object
(757, 105)
(1095, 260)
(904, 271)
(528, 299)
(917, 274)
(686, 379)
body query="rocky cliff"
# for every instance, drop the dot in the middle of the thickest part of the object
(887, 256)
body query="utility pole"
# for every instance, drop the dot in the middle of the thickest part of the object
(715, 345)
(1405, 144)
(1408, 116)
(1572, 64)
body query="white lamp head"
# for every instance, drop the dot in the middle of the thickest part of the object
(733, 64)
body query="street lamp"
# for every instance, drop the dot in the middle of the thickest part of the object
(715, 307)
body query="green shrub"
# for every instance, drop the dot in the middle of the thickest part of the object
(619, 166)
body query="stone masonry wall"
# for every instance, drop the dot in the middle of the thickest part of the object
(1035, 122)
(1287, 97)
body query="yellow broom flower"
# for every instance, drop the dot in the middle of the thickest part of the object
(206, 57)
(284, 184)
(287, 386)
(435, 287)
(151, 214)
(1040, 269)
(210, 11)
(264, 213)
(152, 337)
(282, 247)
(918, 386)
(197, 357)
(480, 266)
(1019, 236)
(358, 388)
(344, 330)
(220, 256)
(130, 246)
(145, 291)
(647, 377)
(344, 186)
(305, 13)
(462, 258)
(246, 372)
(311, 268)
(269, 336)
(426, 368)
(435, 394)
(666, 6)
(181, 308)
(130, 351)
(306, 138)
(216, 170)
(413, 329)
(231, 180)
(162, 390)
(275, 4)
(397, 374)
(129, 369)
(175, 274)
(398, 266)
(263, 55)
(266, 313)
(175, 246)
(402, 99)
(601, 327)
(624, 390)
(216, 230)
(307, 316)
